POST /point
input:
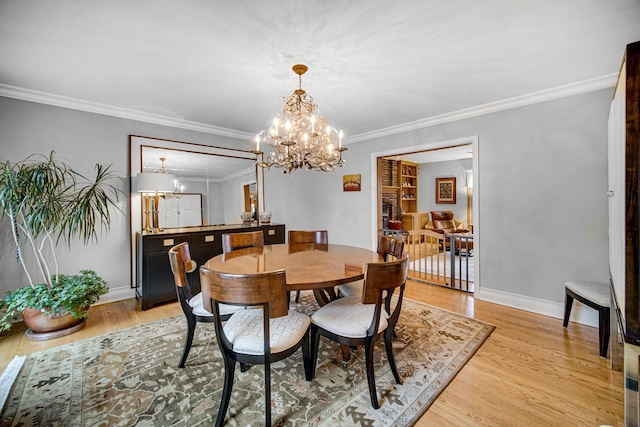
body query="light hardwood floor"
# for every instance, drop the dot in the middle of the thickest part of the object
(530, 372)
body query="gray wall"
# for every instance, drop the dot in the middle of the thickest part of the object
(427, 174)
(542, 172)
(83, 139)
(541, 184)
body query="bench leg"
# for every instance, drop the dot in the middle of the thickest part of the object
(568, 302)
(604, 331)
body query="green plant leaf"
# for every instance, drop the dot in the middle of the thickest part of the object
(69, 294)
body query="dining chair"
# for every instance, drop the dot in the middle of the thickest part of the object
(235, 241)
(387, 246)
(308, 236)
(265, 333)
(354, 321)
(192, 306)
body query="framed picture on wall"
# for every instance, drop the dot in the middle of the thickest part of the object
(446, 190)
(351, 182)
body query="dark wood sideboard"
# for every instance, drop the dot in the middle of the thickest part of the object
(154, 279)
(624, 228)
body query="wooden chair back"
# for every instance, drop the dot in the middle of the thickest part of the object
(235, 241)
(398, 248)
(181, 264)
(264, 291)
(246, 289)
(308, 236)
(382, 276)
(390, 246)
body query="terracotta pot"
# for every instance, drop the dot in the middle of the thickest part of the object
(40, 322)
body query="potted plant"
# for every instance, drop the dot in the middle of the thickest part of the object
(46, 202)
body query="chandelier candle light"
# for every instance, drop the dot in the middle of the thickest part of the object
(299, 137)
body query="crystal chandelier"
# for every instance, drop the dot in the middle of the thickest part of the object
(300, 138)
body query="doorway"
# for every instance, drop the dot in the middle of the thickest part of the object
(409, 197)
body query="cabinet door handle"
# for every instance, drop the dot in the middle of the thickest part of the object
(209, 238)
(167, 242)
(271, 232)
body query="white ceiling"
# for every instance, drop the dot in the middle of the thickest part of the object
(373, 64)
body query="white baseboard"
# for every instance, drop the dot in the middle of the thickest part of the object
(580, 313)
(117, 294)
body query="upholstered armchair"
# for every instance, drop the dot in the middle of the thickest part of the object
(443, 222)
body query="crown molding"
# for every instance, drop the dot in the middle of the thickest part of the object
(123, 113)
(234, 175)
(559, 92)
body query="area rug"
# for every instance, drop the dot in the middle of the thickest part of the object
(130, 378)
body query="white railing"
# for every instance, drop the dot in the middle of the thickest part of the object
(432, 261)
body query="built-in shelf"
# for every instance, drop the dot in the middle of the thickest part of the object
(409, 186)
(397, 188)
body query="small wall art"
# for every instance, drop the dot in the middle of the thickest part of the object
(446, 190)
(351, 182)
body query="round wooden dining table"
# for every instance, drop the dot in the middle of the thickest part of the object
(308, 266)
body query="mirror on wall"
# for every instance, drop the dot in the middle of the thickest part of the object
(250, 198)
(209, 185)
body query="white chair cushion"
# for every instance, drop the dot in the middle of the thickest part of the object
(348, 317)
(352, 289)
(199, 310)
(597, 292)
(245, 331)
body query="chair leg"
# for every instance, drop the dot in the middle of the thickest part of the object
(314, 341)
(229, 371)
(267, 393)
(191, 328)
(368, 355)
(604, 331)
(388, 341)
(297, 296)
(306, 357)
(568, 302)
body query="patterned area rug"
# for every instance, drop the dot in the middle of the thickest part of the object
(130, 378)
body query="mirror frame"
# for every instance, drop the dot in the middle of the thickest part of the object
(137, 142)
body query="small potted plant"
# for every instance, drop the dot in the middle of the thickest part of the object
(46, 202)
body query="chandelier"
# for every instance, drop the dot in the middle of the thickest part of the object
(178, 189)
(299, 137)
